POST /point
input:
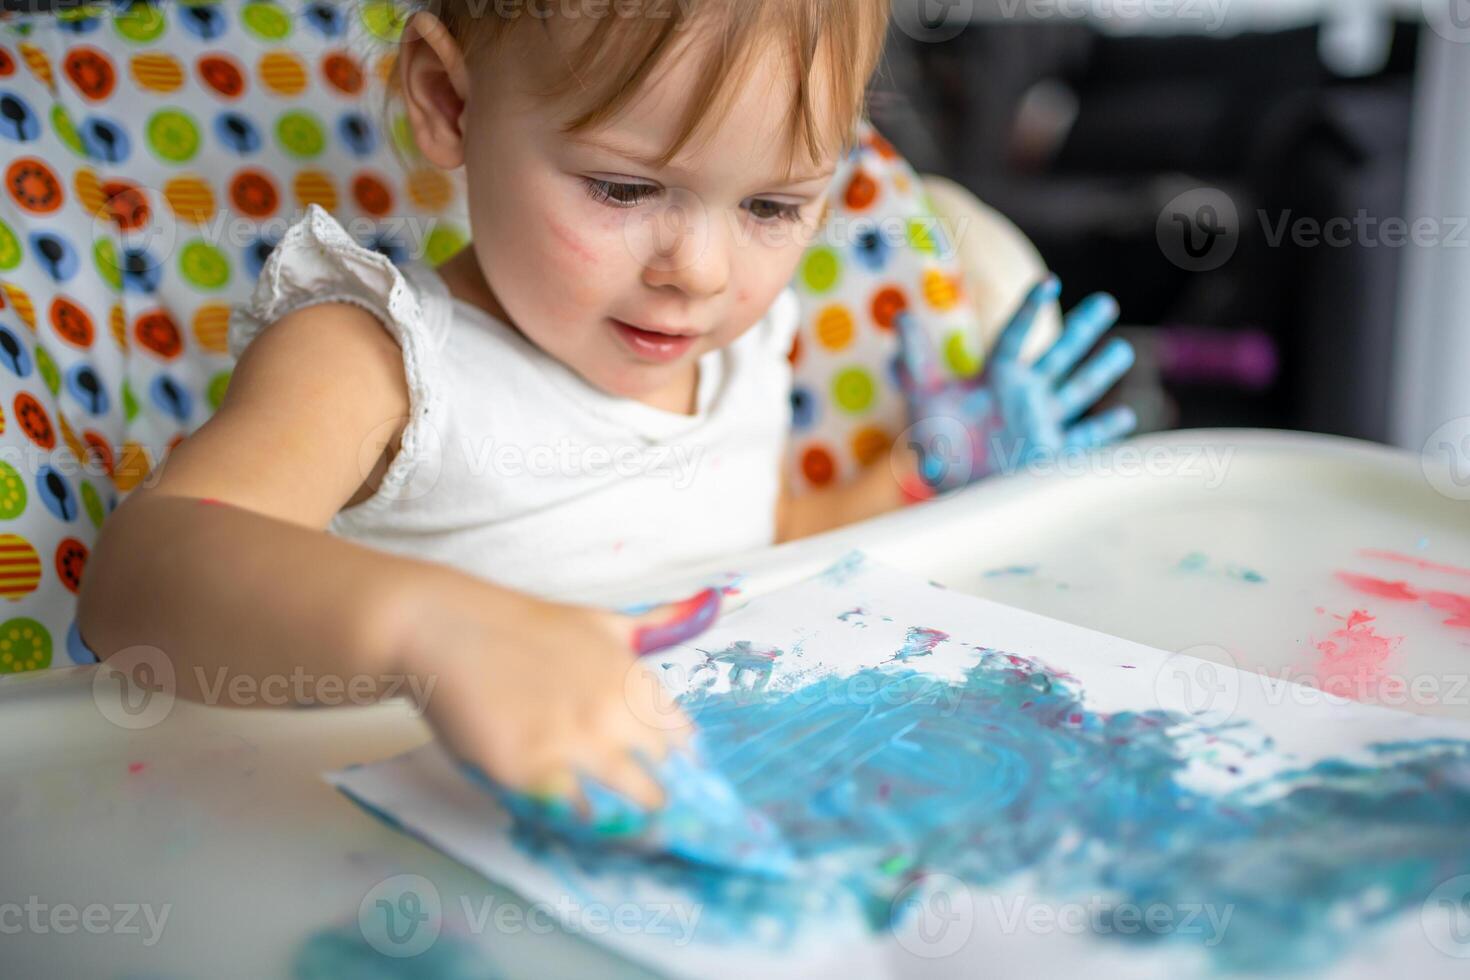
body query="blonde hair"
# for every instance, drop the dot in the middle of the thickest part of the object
(623, 48)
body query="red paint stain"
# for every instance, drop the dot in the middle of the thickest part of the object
(1428, 566)
(1354, 658)
(1379, 588)
(688, 619)
(1458, 606)
(136, 767)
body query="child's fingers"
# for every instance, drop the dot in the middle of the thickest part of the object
(1084, 327)
(919, 360)
(622, 773)
(554, 785)
(1107, 428)
(1093, 380)
(1013, 337)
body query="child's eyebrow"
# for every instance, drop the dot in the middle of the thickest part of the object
(652, 162)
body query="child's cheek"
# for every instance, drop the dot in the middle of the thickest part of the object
(577, 258)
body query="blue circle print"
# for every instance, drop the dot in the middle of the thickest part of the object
(13, 353)
(389, 246)
(141, 272)
(79, 25)
(237, 133)
(204, 20)
(54, 254)
(870, 248)
(256, 253)
(105, 140)
(76, 649)
(171, 397)
(356, 133)
(86, 387)
(17, 121)
(56, 493)
(803, 407)
(325, 18)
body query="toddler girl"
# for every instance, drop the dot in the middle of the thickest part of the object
(595, 389)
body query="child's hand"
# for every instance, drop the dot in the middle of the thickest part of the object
(1013, 413)
(537, 694)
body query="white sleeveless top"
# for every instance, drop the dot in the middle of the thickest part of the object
(514, 468)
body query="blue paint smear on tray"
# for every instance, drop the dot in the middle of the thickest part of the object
(1198, 562)
(883, 777)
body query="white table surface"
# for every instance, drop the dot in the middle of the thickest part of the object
(221, 815)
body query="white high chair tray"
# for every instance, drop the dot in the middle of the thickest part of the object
(1232, 545)
(222, 817)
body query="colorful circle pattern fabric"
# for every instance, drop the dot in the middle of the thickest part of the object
(882, 251)
(152, 154)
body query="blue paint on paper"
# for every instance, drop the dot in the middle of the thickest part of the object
(843, 569)
(702, 822)
(750, 666)
(878, 779)
(920, 641)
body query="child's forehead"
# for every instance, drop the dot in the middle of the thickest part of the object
(692, 98)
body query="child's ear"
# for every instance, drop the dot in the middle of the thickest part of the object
(434, 84)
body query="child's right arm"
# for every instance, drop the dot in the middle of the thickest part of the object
(225, 567)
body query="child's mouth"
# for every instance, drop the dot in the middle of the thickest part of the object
(658, 347)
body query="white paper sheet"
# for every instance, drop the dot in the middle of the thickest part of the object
(854, 616)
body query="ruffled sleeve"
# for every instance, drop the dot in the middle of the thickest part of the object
(317, 261)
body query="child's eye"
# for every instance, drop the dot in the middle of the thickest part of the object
(616, 194)
(774, 210)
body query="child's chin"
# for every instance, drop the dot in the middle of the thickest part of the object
(638, 379)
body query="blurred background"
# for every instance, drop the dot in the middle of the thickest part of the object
(1277, 191)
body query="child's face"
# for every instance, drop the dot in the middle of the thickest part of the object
(575, 236)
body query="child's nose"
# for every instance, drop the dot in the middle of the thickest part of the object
(690, 252)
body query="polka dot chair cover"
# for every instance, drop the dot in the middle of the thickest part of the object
(153, 154)
(882, 252)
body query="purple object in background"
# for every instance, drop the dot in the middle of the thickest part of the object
(1204, 355)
